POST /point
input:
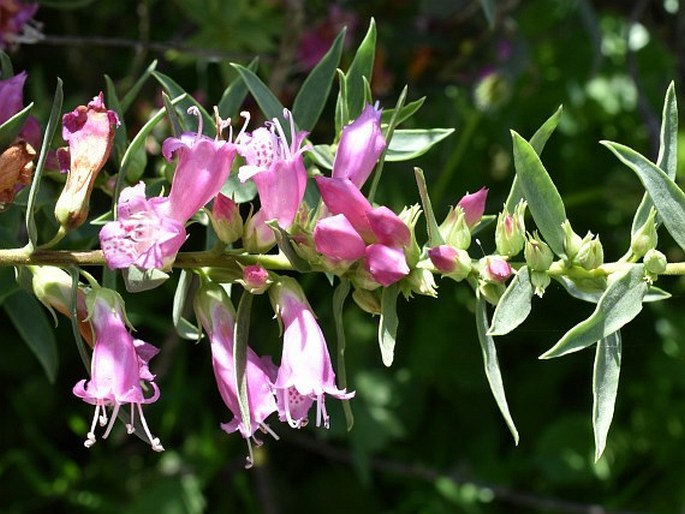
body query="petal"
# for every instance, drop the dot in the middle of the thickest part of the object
(336, 238)
(385, 264)
(388, 228)
(341, 196)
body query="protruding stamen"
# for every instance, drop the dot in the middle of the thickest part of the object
(221, 124)
(246, 116)
(193, 110)
(267, 430)
(249, 460)
(284, 140)
(112, 420)
(293, 134)
(131, 426)
(103, 417)
(90, 441)
(154, 441)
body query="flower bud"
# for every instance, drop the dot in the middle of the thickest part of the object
(226, 219)
(645, 238)
(474, 206)
(454, 229)
(452, 262)
(255, 279)
(572, 241)
(538, 255)
(420, 281)
(655, 262)
(368, 301)
(495, 269)
(386, 265)
(89, 131)
(510, 231)
(540, 280)
(257, 236)
(491, 291)
(410, 216)
(591, 254)
(16, 171)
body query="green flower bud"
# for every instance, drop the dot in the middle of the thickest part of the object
(410, 215)
(538, 255)
(540, 281)
(420, 281)
(572, 241)
(655, 262)
(591, 254)
(454, 230)
(368, 301)
(491, 291)
(645, 238)
(510, 231)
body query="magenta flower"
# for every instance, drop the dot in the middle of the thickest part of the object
(203, 167)
(305, 374)
(474, 206)
(118, 366)
(337, 239)
(361, 144)
(89, 131)
(276, 167)
(496, 269)
(144, 234)
(341, 196)
(15, 23)
(444, 258)
(386, 264)
(12, 101)
(215, 312)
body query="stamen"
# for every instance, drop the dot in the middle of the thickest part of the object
(193, 110)
(318, 411)
(249, 460)
(103, 417)
(284, 140)
(90, 436)
(221, 124)
(154, 441)
(246, 116)
(267, 430)
(293, 135)
(112, 420)
(131, 427)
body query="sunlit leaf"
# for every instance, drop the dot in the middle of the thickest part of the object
(514, 306)
(132, 93)
(267, 101)
(184, 328)
(361, 67)
(491, 363)
(668, 198)
(434, 236)
(387, 326)
(189, 121)
(544, 202)
(236, 92)
(605, 377)
(619, 304)
(137, 280)
(11, 128)
(405, 112)
(408, 144)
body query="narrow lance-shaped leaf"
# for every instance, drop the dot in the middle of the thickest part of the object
(544, 201)
(240, 340)
(490, 10)
(80, 345)
(132, 93)
(172, 116)
(491, 363)
(339, 297)
(113, 103)
(361, 67)
(234, 95)
(284, 241)
(184, 328)
(619, 304)
(408, 144)
(668, 153)
(387, 326)
(33, 326)
(668, 198)
(605, 376)
(434, 237)
(11, 128)
(6, 69)
(514, 306)
(405, 113)
(50, 129)
(311, 98)
(538, 142)
(190, 121)
(341, 111)
(267, 101)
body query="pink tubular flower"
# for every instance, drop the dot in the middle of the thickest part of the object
(203, 166)
(361, 144)
(118, 366)
(143, 235)
(341, 196)
(306, 373)
(474, 206)
(444, 258)
(386, 265)
(336, 238)
(215, 312)
(496, 269)
(89, 131)
(276, 167)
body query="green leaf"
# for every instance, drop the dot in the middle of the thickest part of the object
(434, 237)
(342, 115)
(54, 121)
(668, 198)
(137, 145)
(267, 101)
(240, 340)
(491, 363)
(408, 144)
(405, 112)
(605, 376)
(591, 290)
(6, 69)
(544, 201)
(75, 330)
(322, 156)
(172, 116)
(135, 89)
(29, 318)
(189, 120)
(514, 306)
(387, 325)
(667, 158)
(137, 280)
(538, 142)
(184, 328)
(120, 139)
(11, 128)
(285, 244)
(490, 11)
(311, 98)
(8, 283)
(360, 68)
(238, 191)
(619, 304)
(339, 297)
(234, 95)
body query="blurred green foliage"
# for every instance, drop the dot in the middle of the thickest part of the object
(428, 437)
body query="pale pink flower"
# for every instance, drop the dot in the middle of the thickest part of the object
(118, 366)
(474, 206)
(386, 264)
(337, 239)
(496, 269)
